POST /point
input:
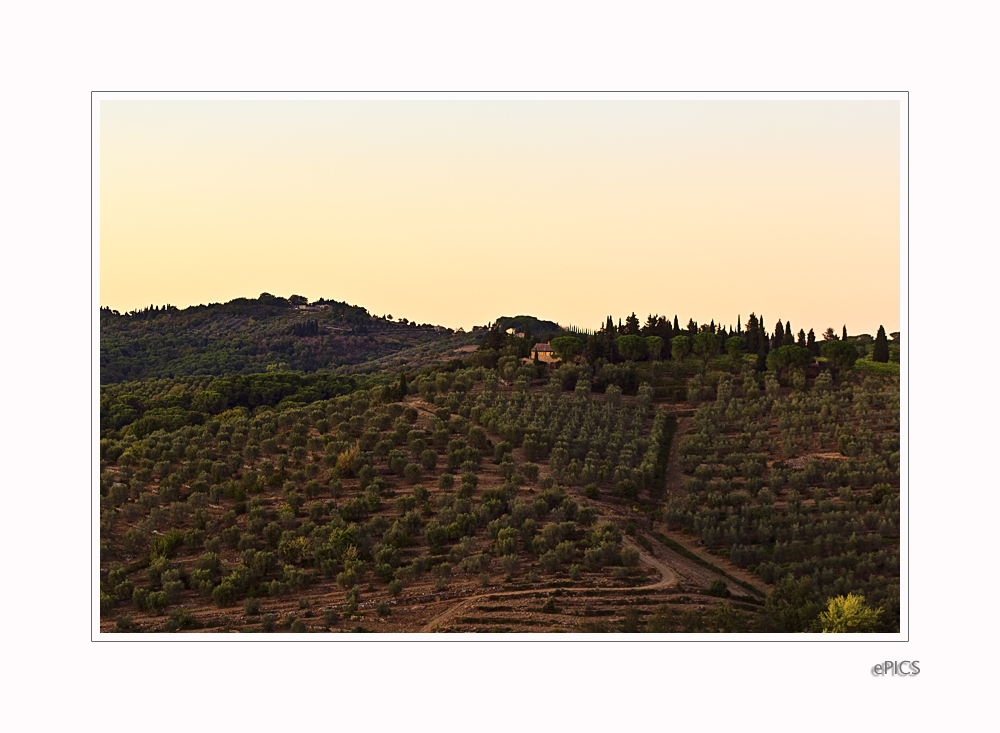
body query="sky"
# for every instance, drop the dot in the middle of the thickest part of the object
(456, 212)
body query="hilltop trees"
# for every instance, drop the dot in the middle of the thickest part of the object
(632, 347)
(632, 325)
(880, 352)
(811, 343)
(567, 348)
(785, 357)
(735, 347)
(706, 346)
(841, 353)
(680, 346)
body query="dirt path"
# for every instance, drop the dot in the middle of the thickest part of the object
(668, 578)
(673, 567)
(674, 473)
(698, 573)
(707, 575)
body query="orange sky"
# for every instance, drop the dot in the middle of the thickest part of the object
(456, 212)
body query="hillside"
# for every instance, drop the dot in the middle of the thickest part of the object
(246, 336)
(700, 493)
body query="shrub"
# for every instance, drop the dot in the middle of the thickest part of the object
(267, 622)
(140, 598)
(251, 606)
(719, 589)
(123, 591)
(530, 471)
(224, 595)
(412, 472)
(107, 603)
(429, 459)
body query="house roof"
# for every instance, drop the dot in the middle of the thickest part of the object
(541, 347)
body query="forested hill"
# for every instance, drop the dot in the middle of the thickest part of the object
(246, 336)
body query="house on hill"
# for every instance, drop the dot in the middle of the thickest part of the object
(544, 353)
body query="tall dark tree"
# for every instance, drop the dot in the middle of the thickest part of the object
(677, 327)
(662, 329)
(650, 328)
(632, 325)
(802, 339)
(844, 337)
(779, 333)
(811, 343)
(595, 348)
(692, 327)
(738, 329)
(401, 389)
(752, 334)
(789, 339)
(880, 352)
(761, 364)
(608, 334)
(495, 338)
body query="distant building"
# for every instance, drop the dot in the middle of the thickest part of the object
(544, 353)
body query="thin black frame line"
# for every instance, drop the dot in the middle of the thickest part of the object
(609, 641)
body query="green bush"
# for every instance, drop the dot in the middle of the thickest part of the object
(719, 589)
(251, 606)
(224, 595)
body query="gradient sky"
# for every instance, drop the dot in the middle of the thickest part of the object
(456, 212)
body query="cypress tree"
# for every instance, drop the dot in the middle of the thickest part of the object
(753, 334)
(677, 327)
(844, 337)
(802, 339)
(789, 339)
(880, 352)
(811, 343)
(779, 333)
(738, 329)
